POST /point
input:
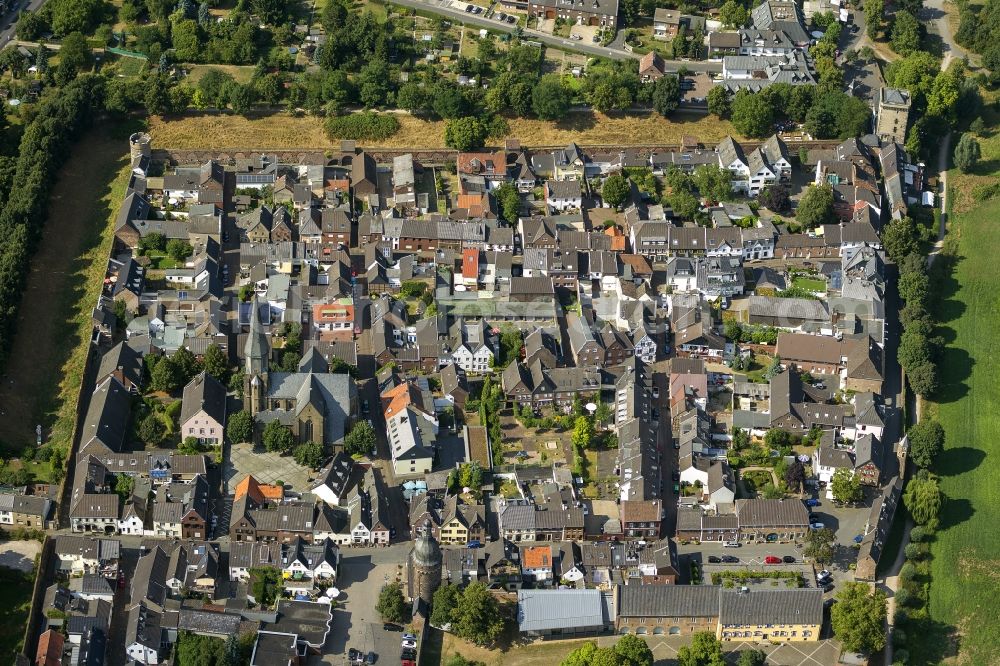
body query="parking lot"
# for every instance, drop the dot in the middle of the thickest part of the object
(265, 467)
(356, 623)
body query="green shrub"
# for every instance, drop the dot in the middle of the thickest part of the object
(363, 126)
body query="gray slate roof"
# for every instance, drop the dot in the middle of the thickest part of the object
(541, 610)
(771, 607)
(668, 601)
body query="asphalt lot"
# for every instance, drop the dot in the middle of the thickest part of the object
(356, 624)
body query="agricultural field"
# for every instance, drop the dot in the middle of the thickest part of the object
(965, 584)
(281, 130)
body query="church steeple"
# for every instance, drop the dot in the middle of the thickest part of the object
(257, 352)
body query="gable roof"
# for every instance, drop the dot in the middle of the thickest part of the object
(204, 393)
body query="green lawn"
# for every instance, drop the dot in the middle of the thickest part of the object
(16, 602)
(965, 579)
(809, 284)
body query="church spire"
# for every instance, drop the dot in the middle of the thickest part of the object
(257, 351)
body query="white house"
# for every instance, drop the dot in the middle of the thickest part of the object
(332, 482)
(761, 173)
(410, 442)
(203, 412)
(828, 460)
(132, 520)
(731, 157)
(144, 634)
(473, 352)
(563, 195)
(301, 560)
(245, 555)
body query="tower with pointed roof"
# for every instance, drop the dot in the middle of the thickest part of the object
(256, 354)
(426, 560)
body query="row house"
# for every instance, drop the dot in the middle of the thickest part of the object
(540, 386)
(24, 510)
(602, 13)
(453, 522)
(523, 521)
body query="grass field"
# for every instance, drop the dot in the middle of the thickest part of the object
(963, 623)
(50, 350)
(242, 73)
(961, 184)
(281, 131)
(810, 284)
(15, 602)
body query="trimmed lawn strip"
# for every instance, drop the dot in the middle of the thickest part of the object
(964, 585)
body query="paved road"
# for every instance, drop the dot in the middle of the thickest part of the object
(7, 34)
(444, 8)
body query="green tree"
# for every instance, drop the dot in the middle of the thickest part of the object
(216, 363)
(187, 363)
(666, 95)
(477, 616)
(186, 39)
(733, 14)
(360, 440)
(443, 604)
(511, 344)
(615, 190)
(239, 427)
(309, 454)
(899, 238)
(391, 606)
(124, 484)
(705, 650)
(967, 153)
(905, 35)
(166, 376)
(583, 432)
(550, 99)
(713, 182)
(277, 437)
(777, 439)
(509, 201)
(74, 57)
(151, 429)
(846, 486)
(634, 651)
(179, 249)
(581, 656)
(190, 446)
(926, 442)
(775, 198)
(31, 26)
(242, 98)
(923, 499)
(795, 476)
(816, 206)
(458, 660)
(465, 134)
(265, 585)
(719, 101)
(752, 658)
(858, 619)
(874, 10)
(471, 476)
(819, 545)
(75, 15)
(752, 115)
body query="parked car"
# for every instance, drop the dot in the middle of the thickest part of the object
(409, 637)
(468, 8)
(829, 603)
(656, 392)
(730, 559)
(475, 543)
(353, 654)
(409, 644)
(576, 37)
(812, 502)
(677, 475)
(408, 654)
(732, 544)
(772, 559)
(828, 587)
(823, 574)
(389, 626)
(788, 559)
(407, 662)
(816, 526)
(370, 658)
(714, 559)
